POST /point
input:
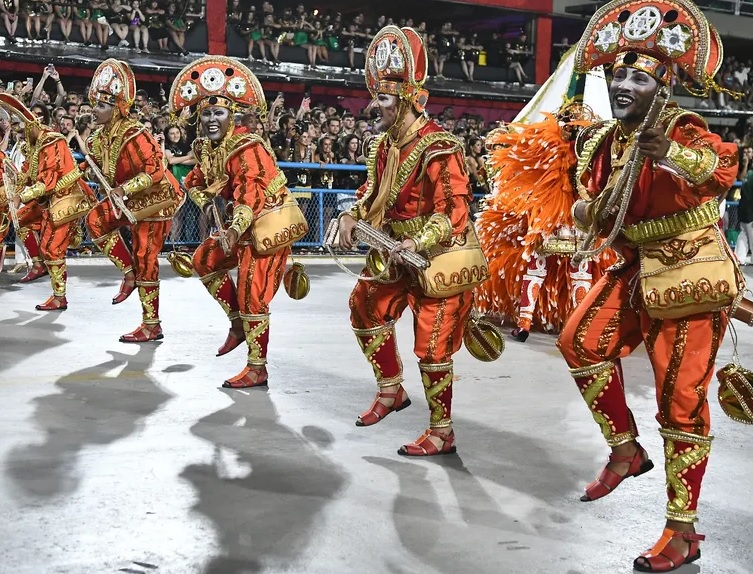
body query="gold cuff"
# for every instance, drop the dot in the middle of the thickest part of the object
(243, 217)
(199, 196)
(32, 192)
(695, 166)
(436, 230)
(137, 184)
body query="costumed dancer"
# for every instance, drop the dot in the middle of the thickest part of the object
(678, 279)
(131, 162)
(55, 200)
(525, 226)
(239, 167)
(418, 192)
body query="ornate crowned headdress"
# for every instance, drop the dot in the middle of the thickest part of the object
(652, 36)
(113, 83)
(15, 108)
(396, 63)
(217, 81)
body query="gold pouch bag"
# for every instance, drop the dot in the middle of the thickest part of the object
(456, 266)
(68, 201)
(280, 224)
(688, 274)
(153, 200)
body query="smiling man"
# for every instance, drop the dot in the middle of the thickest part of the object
(677, 282)
(238, 167)
(418, 192)
(131, 160)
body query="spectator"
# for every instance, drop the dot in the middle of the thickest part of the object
(81, 16)
(138, 23)
(119, 20)
(10, 10)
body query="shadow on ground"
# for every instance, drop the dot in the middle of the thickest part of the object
(266, 486)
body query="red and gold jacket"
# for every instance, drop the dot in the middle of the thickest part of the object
(131, 158)
(431, 195)
(241, 169)
(699, 167)
(50, 170)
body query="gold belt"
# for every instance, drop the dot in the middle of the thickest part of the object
(693, 219)
(408, 227)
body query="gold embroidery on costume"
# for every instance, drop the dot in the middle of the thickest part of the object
(588, 317)
(439, 417)
(57, 271)
(149, 296)
(599, 377)
(370, 341)
(678, 464)
(32, 192)
(214, 282)
(106, 243)
(137, 183)
(243, 216)
(695, 166)
(254, 327)
(437, 229)
(677, 250)
(673, 369)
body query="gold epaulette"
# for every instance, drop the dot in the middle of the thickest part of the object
(693, 219)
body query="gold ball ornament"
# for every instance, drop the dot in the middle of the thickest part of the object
(181, 263)
(484, 340)
(296, 282)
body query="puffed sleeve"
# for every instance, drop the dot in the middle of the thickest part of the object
(699, 160)
(451, 196)
(50, 169)
(143, 153)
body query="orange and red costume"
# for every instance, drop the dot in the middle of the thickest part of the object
(49, 175)
(129, 157)
(417, 188)
(672, 196)
(240, 169)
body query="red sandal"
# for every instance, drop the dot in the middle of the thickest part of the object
(608, 480)
(37, 270)
(143, 334)
(230, 343)
(247, 378)
(664, 558)
(377, 411)
(424, 447)
(54, 303)
(126, 288)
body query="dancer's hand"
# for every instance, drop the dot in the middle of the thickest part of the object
(232, 238)
(406, 245)
(347, 226)
(653, 143)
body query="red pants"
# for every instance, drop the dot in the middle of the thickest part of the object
(259, 278)
(438, 325)
(51, 245)
(147, 237)
(606, 327)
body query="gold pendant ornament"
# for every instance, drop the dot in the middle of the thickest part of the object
(181, 263)
(483, 339)
(296, 282)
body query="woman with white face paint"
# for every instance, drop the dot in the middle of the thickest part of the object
(417, 192)
(239, 167)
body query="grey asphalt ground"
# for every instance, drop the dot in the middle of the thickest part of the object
(130, 458)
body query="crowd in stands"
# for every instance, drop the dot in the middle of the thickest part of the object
(320, 33)
(144, 26)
